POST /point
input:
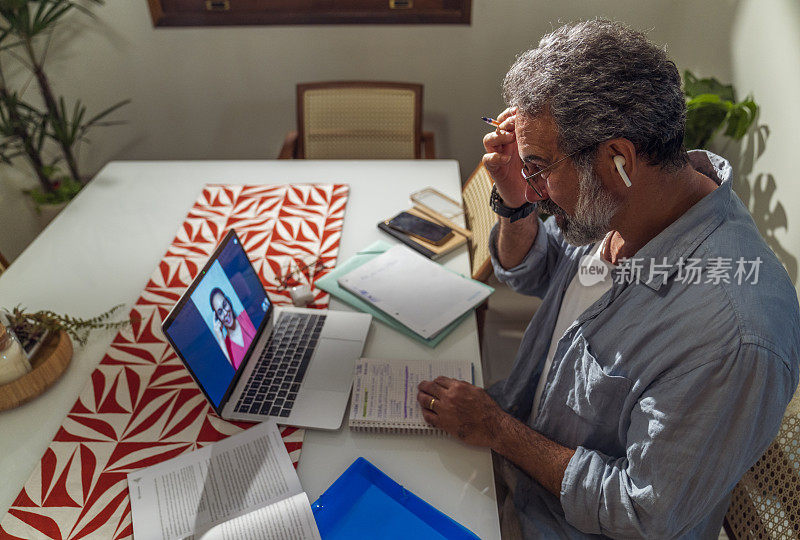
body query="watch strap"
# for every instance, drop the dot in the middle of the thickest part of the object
(513, 214)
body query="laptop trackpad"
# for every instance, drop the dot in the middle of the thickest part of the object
(333, 365)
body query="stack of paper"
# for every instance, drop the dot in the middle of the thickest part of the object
(330, 282)
(241, 487)
(419, 293)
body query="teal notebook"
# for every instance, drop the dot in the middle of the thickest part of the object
(330, 284)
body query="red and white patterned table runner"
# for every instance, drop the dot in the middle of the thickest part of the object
(141, 406)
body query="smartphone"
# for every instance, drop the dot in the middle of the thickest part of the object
(421, 228)
(438, 202)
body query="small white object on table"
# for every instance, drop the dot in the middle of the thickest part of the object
(102, 248)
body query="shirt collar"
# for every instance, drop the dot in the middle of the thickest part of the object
(682, 236)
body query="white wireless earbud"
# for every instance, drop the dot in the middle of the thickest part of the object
(619, 161)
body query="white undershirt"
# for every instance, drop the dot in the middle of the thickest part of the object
(577, 299)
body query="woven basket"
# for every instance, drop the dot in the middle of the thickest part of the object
(48, 364)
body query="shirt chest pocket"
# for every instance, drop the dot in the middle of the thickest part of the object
(596, 397)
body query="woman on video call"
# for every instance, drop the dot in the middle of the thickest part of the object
(239, 330)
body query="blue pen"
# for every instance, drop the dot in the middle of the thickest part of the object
(490, 121)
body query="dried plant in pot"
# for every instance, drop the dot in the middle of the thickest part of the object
(31, 328)
(46, 338)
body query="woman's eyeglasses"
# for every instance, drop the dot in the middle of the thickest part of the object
(224, 308)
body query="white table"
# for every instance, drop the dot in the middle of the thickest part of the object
(103, 247)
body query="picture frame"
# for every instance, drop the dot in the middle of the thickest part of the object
(167, 13)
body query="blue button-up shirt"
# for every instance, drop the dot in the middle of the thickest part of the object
(667, 389)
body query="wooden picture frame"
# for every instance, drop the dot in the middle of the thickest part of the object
(289, 12)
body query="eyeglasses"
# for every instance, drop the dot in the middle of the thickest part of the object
(543, 172)
(225, 308)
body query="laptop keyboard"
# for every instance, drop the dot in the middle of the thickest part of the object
(274, 384)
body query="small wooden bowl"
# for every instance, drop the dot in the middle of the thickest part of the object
(49, 363)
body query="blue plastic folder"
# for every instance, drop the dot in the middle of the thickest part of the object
(330, 284)
(365, 503)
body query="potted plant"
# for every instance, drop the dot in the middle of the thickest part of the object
(46, 137)
(48, 333)
(712, 106)
(33, 328)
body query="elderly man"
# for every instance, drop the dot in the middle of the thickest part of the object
(665, 351)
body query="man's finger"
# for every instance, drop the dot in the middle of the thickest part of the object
(429, 387)
(424, 400)
(510, 111)
(444, 382)
(431, 417)
(495, 161)
(508, 124)
(497, 139)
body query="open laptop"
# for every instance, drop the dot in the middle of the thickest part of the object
(253, 360)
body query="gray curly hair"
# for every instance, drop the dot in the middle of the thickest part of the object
(601, 80)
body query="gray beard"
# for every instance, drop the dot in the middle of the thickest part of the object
(594, 210)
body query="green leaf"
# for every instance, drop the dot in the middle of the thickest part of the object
(692, 86)
(740, 118)
(702, 122)
(47, 16)
(99, 116)
(707, 100)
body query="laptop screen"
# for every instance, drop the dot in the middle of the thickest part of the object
(215, 323)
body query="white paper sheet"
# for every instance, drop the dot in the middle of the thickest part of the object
(288, 519)
(421, 294)
(193, 492)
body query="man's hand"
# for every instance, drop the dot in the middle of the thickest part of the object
(467, 412)
(461, 409)
(502, 160)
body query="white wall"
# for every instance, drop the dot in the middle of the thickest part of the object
(229, 92)
(765, 50)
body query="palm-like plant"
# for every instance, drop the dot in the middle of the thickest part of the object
(26, 32)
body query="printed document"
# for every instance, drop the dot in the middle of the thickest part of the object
(241, 487)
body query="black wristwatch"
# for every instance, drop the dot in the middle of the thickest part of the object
(513, 214)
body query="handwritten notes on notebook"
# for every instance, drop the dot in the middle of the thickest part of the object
(241, 487)
(385, 392)
(421, 294)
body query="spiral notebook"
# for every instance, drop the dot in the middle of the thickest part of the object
(385, 393)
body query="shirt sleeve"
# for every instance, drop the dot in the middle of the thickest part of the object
(690, 439)
(532, 275)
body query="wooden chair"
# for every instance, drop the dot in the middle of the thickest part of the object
(358, 120)
(479, 219)
(766, 501)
